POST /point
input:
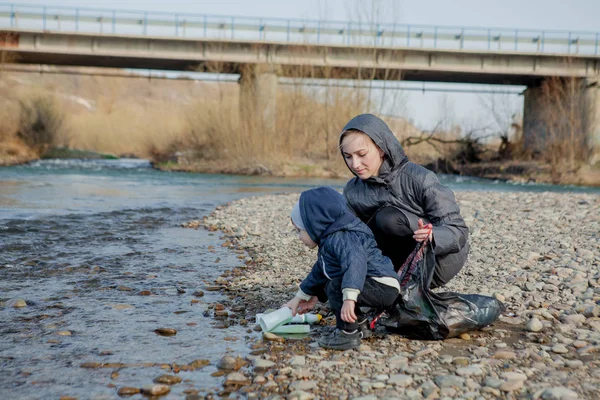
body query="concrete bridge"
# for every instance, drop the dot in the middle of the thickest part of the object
(261, 50)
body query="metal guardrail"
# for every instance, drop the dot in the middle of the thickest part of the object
(180, 25)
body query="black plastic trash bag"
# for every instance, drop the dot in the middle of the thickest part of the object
(420, 313)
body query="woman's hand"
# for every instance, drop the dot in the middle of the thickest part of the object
(423, 232)
(347, 313)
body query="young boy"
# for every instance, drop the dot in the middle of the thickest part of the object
(350, 270)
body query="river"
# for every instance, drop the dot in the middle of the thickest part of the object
(97, 251)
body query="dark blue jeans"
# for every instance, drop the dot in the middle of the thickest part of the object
(373, 294)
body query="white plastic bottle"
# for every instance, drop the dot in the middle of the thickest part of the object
(306, 319)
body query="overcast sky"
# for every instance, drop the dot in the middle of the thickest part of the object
(424, 108)
(525, 14)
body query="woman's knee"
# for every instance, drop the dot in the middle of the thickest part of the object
(391, 221)
(443, 275)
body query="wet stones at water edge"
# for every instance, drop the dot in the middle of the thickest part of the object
(167, 379)
(165, 331)
(16, 303)
(128, 391)
(229, 363)
(155, 390)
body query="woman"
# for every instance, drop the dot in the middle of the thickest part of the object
(397, 198)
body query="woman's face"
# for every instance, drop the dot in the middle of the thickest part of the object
(362, 156)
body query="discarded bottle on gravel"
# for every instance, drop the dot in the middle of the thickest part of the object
(282, 317)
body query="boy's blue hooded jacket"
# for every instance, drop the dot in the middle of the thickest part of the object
(347, 247)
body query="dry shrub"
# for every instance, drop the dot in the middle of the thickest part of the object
(564, 120)
(558, 125)
(40, 120)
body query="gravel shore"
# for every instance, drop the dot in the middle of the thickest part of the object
(539, 253)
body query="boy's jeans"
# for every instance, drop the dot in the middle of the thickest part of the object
(374, 294)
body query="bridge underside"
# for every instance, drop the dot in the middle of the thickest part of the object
(295, 71)
(293, 59)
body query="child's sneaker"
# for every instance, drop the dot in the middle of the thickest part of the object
(340, 340)
(365, 329)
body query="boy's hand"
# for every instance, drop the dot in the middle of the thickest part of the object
(293, 304)
(347, 313)
(307, 305)
(300, 306)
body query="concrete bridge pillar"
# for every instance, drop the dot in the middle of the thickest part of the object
(568, 109)
(593, 124)
(258, 96)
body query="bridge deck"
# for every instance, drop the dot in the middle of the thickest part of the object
(296, 60)
(139, 22)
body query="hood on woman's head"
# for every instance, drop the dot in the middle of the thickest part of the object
(375, 128)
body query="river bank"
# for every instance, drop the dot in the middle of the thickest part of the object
(506, 171)
(16, 153)
(539, 254)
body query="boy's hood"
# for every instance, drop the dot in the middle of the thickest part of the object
(380, 133)
(323, 212)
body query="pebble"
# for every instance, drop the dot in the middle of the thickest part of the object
(559, 393)
(300, 395)
(559, 349)
(156, 390)
(16, 303)
(400, 380)
(472, 370)
(272, 337)
(167, 379)
(534, 325)
(512, 385)
(298, 361)
(236, 378)
(505, 355)
(128, 391)
(165, 331)
(261, 365)
(303, 385)
(227, 363)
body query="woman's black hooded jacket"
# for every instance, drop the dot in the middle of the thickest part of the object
(411, 188)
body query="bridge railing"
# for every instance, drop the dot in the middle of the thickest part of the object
(353, 33)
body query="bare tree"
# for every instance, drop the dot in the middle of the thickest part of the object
(505, 118)
(371, 16)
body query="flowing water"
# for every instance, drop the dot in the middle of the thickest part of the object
(97, 252)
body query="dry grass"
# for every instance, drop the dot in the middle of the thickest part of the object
(306, 129)
(128, 130)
